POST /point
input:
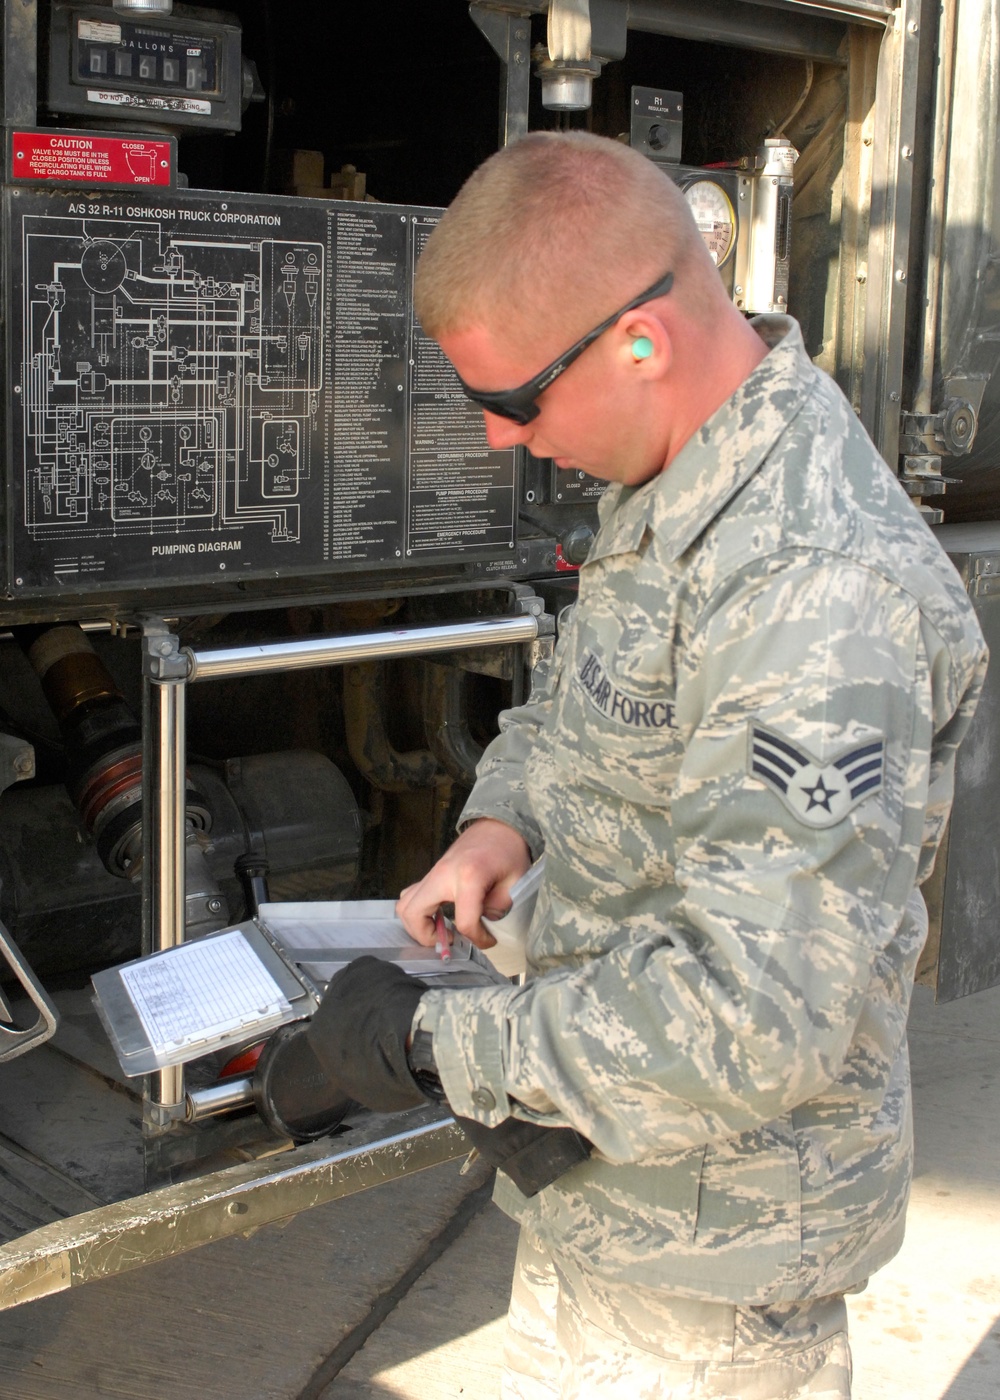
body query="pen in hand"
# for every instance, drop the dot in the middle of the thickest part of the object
(441, 942)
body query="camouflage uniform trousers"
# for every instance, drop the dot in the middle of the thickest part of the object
(573, 1336)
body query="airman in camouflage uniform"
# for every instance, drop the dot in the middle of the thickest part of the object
(739, 766)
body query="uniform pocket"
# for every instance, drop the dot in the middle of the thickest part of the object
(618, 719)
(749, 1229)
(626, 1222)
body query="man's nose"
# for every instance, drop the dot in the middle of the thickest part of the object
(504, 432)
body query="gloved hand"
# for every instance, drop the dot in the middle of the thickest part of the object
(359, 1031)
(532, 1155)
(291, 1090)
(357, 1038)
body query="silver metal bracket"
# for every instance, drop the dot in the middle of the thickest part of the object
(162, 656)
(509, 36)
(921, 476)
(528, 604)
(540, 647)
(14, 1042)
(17, 762)
(158, 1118)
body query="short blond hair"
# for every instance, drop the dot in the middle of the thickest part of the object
(557, 229)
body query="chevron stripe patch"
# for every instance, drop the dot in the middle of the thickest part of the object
(818, 794)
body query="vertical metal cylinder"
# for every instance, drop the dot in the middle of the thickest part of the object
(167, 746)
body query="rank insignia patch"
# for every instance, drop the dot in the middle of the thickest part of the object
(819, 794)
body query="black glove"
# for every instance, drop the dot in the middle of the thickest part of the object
(357, 1040)
(359, 1032)
(532, 1155)
(291, 1090)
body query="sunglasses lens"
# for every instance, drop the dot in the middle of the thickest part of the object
(515, 412)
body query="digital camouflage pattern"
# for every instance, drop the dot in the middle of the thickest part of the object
(572, 1337)
(720, 968)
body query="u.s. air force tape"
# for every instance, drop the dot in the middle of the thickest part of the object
(617, 704)
(819, 794)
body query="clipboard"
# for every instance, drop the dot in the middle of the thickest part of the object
(319, 937)
(185, 1002)
(245, 981)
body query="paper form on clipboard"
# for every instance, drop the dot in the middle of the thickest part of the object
(201, 996)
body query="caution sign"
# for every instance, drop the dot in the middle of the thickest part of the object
(83, 158)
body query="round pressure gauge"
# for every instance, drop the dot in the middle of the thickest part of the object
(713, 213)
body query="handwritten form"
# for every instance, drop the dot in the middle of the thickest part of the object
(203, 990)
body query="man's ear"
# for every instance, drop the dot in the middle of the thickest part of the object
(644, 343)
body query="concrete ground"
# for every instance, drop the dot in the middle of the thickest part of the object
(928, 1325)
(399, 1293)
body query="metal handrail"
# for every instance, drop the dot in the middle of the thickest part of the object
(165, 747)
(386, 644)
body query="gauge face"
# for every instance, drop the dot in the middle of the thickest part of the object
(713, 213)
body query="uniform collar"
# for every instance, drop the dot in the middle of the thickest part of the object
(723, 454)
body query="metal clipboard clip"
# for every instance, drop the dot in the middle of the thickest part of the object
(14, 1042)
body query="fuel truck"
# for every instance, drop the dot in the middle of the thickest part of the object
(265, 586)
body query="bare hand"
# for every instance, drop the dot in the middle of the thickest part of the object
(475, 875)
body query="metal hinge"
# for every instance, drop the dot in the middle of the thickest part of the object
(950, 432)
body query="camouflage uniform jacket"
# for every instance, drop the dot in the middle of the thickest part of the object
(739, 768)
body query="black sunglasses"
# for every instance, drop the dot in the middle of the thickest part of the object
(519, 404)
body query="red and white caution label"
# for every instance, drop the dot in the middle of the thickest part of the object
(563, 566)
(90, 160)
